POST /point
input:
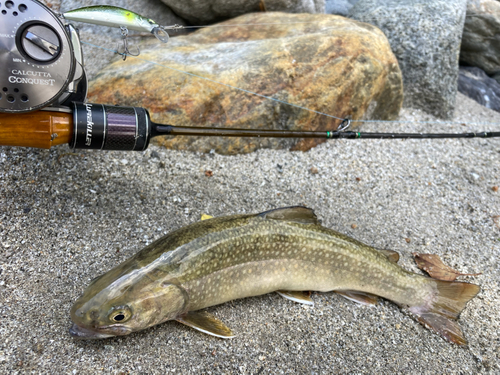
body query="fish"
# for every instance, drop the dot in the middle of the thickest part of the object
(107, 15)
(230, 257)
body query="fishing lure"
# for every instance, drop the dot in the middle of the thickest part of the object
(107, 15)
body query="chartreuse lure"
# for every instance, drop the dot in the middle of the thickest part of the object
(106, 15)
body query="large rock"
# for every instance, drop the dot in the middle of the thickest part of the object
(476, 84)
(326, 63)
(201, 12)
(481, 38)
(425, 37)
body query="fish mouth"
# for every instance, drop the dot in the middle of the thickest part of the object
(86, 334)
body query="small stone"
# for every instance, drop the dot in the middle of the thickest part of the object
(314, 170)
(124, 161)
(407, 240)
(494, 188)
(209, 173)
(95, 175)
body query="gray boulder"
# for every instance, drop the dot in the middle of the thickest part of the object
(425, 36)
(339, 7)
(475, 83)
(200, 12)
(481, 38)
(496, 76)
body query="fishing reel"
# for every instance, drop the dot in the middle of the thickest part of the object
(41, 68)
(41, 58)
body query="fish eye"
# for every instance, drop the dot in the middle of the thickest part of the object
(120, 314)
(118, 317)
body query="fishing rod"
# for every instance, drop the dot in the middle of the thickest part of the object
(105, 127)
(44, 88)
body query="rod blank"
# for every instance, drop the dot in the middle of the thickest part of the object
(227, 132)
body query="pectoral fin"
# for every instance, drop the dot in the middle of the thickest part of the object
(359, 297)
(206, 323)
(300, 297)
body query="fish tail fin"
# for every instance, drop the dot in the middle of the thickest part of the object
(442, 314)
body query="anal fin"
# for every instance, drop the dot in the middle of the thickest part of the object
(300, 297)
(206, 323)
(359, 297)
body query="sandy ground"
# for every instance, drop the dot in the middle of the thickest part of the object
(66, 218)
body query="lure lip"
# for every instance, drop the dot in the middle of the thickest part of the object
(83, 333)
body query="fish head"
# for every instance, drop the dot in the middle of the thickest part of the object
(113, 306)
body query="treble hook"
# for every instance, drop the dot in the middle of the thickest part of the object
(126, 50)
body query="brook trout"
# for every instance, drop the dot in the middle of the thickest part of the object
(286, 250)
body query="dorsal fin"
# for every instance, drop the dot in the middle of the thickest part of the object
(298, 214)
(393, 256)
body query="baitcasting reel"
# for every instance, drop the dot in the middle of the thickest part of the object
(41, 67)
(41, 61)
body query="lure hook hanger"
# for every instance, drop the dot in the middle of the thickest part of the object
(126, 50)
